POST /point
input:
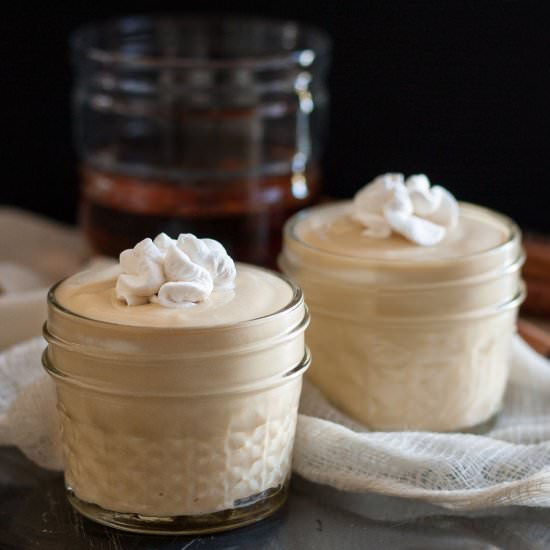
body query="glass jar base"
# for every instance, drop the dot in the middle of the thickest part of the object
(246, 511)
(478, 429)
(481, 428)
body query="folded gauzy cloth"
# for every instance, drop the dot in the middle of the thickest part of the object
(508, 465)
(34, 254)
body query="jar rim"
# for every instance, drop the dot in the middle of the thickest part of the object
(512, 304)
(507, 269)
(295, 302)
(293, 372)
(305, 42)
(514, 233)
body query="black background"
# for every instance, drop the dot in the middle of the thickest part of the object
(457, 89)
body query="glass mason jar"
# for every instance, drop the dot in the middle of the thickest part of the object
(198, 124)
(416, 344)
(177, 429)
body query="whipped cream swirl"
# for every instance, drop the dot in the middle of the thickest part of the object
(413, 208)
(174, 272)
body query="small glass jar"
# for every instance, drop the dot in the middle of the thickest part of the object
(204, 125)
(177, 429)
(415, 344)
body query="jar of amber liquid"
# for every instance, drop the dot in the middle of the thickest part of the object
(200, 125)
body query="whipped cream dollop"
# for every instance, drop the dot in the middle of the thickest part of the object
(411, 207)
(174, 272)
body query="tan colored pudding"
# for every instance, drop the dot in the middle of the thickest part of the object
(177, 419)
(406, 336)
(330, 229)
(257, 293)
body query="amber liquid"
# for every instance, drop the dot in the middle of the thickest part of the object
(245, 214)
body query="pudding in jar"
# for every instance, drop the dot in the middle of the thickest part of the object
(413, 299)
(178, 375)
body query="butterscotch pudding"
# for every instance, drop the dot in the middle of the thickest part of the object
(413, 299)
(178, 377)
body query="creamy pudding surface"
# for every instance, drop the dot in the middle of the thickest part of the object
(331, 229)
(257, 293)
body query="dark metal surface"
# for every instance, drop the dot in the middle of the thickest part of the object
(34, 514)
